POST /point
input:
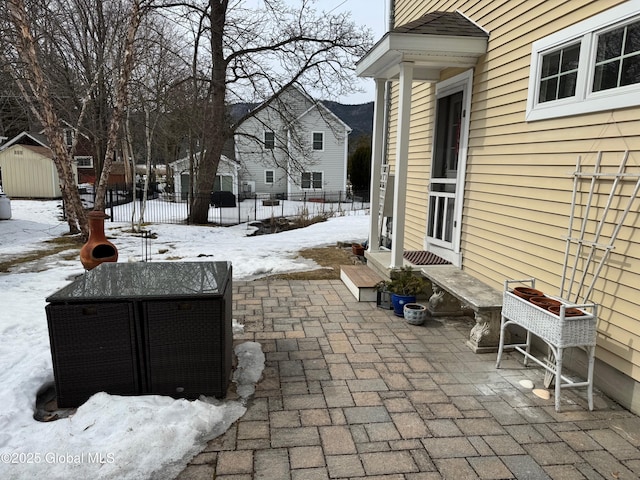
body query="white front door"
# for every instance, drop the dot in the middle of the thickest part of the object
(446, 187)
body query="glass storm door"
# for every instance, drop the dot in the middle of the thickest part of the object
(442, 223)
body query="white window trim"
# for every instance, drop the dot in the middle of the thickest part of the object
(273, 176)
(312, 141)
(84, 157)
(264, 139)
(584, 101)
(311, 183)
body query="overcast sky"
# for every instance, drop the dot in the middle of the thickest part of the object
(371, 13)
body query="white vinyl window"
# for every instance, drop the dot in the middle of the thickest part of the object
(591, 66)
(318, 141)
(618, 58)
(269, 176)
(86, 162)
(559, 74)
(269, 140)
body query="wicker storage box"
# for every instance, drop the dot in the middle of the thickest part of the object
(93, 348)
(157, 328)
(188, 347)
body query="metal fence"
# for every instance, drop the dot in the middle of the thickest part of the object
(123, 206)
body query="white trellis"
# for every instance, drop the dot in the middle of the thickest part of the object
(587, 250)
(581, 269)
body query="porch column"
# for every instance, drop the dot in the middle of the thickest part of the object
(376, 166)
(402, 160)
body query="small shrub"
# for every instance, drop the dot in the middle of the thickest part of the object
(404, 282)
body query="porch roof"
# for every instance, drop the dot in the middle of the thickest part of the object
(433, 42)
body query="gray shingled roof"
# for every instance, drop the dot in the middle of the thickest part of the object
(442, 23)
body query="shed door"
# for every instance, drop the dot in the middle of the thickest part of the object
(185, 186)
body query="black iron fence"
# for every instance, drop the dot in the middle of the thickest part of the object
(226, 208)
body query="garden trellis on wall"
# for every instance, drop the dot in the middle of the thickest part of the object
(586, 238)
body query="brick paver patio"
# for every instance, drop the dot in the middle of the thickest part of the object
(350, 391)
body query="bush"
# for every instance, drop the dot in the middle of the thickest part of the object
(404, 282)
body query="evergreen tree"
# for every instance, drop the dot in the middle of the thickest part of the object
(360, 165)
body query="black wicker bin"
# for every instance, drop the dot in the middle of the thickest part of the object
(143, 328)
(93, 348)
(194, 359)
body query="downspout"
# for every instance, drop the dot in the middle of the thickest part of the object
(345, 176)
(289, 179)
(237, 168)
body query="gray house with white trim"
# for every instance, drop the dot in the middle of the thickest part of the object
(292, 145)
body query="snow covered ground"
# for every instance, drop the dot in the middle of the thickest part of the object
(115, 437)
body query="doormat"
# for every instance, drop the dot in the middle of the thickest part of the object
(421, 257)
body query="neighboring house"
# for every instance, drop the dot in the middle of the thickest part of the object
(291, 146)
(226, 180)
(491, 103)
(28, 169)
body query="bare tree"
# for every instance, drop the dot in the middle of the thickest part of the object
(239, 53)
(35, 91)
(152, 92)
(48, 74)
(89, 53)
(117, 115)
(248, 54)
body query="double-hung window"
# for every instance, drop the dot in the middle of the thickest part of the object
(312, 180)
(591, 66)
(269, 176)
(318, 141)
(269, 140)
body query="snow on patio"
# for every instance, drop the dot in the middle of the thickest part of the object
(114, 436)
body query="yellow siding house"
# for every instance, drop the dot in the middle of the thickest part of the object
(489, 115)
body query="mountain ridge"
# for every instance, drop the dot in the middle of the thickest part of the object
(359, 117)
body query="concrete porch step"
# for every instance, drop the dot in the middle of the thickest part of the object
(361, 281)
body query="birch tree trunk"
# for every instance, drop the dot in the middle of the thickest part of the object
(120, 104)
(37, 96)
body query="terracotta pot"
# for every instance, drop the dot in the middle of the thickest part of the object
(527, 293)
(357, 249)
(568, 312)
(97, 249)
(545, 302)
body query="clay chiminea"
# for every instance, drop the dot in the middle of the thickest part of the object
(97, 249)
